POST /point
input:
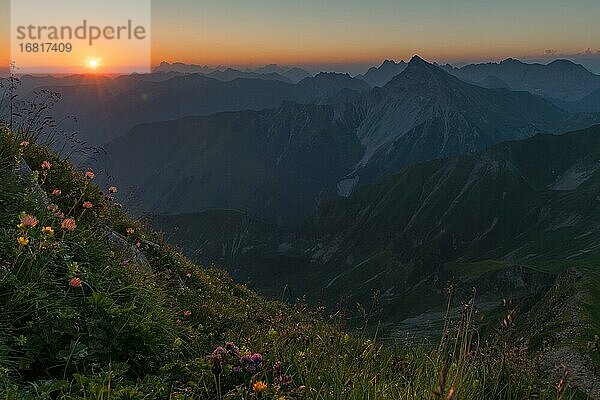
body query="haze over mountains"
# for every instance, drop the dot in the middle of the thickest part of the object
(107, 108)
(291, 74)
(280, 164)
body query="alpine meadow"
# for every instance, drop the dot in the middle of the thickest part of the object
(309, 200)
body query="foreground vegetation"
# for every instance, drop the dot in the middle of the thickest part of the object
(92, 306)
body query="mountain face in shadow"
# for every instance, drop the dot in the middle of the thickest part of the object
(379, 76)
(560, 80)
(425, 113)
(276, 164)
(279, 165)
(492, 219)
(589, 104)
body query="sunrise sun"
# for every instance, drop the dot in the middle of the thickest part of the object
(93, 63)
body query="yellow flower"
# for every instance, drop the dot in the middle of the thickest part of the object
(48, 231)
(23, 241)
(259, 386)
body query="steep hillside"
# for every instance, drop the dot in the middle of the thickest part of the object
(508, 221)
(94, 306)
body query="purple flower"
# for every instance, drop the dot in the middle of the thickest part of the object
(257, 358)
(251, 369)
(237, 369)
(247, 359)
(232, 349)
(219, 351)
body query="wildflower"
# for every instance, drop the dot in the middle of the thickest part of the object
(187, 313)
(68, 224)
(272, 334)
(112, 190)
(24, 143)
(87, 204)
(29, 221)
(52, 208)
(232, 349)
(56, 192)
(237, 369)
(259, 386)
(257, 358)
(130, 231)
(73, 267)
(22, 340)
(75, 282)
(188, 275)
(48, 231)
(46, 165)
(23, 241)
(59, 215)
(252, 362)
(451, 394)
(90, 175)
(218, 352)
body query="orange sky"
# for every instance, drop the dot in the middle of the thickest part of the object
(313, 32)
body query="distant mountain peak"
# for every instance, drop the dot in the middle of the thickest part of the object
(511, 60)
(390, 63)
(417, 73)
(417, 59)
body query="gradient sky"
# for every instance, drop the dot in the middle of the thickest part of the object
(359, 33)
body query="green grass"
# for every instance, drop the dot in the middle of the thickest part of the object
(136, 331)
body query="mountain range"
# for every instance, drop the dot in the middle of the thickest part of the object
(271, 71)
(560, 80)
(107, 108)
(379, 76)
(280, 164)
(371, 194)
(497, 220)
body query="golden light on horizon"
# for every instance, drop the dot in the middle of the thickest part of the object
(93, 63)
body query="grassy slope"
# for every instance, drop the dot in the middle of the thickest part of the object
(125, 332)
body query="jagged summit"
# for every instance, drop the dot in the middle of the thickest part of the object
(420, 74)
(417, 59)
